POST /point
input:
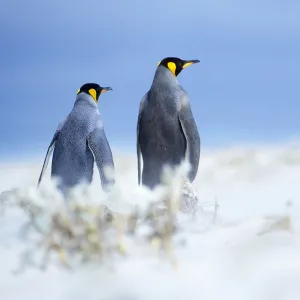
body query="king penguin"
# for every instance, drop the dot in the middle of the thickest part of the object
(79, 141)
(167, 133)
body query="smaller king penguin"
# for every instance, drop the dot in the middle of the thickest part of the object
(167, 133)
(79, 141)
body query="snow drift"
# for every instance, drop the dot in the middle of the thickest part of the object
(244, 243)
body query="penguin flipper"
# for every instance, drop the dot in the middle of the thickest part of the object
(48, 154)
(192, 137)
(138, 148)
(101, 151)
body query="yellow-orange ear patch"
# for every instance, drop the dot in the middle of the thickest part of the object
(172, 67)
(93, 93)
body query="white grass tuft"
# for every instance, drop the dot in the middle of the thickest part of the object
(80, 229)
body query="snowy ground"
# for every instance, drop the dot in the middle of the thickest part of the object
(251, 251)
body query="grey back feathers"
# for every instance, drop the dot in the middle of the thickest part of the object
(79, 142)
(166, 130)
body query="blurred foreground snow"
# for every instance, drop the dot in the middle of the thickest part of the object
(248, 250)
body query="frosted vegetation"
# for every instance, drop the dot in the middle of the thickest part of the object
(239, 241)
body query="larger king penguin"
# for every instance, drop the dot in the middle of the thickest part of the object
(166, 130)
(79, 141)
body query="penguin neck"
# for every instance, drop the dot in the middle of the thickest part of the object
(84, 99)
(164, 77)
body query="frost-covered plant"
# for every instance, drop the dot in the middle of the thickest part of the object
(82, 228)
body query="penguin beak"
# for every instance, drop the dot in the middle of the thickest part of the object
(187, 63)
(105, 89)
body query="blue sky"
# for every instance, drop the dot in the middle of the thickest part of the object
(245, 89)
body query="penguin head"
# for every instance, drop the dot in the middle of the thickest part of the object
(175, 64)
(93, 89)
